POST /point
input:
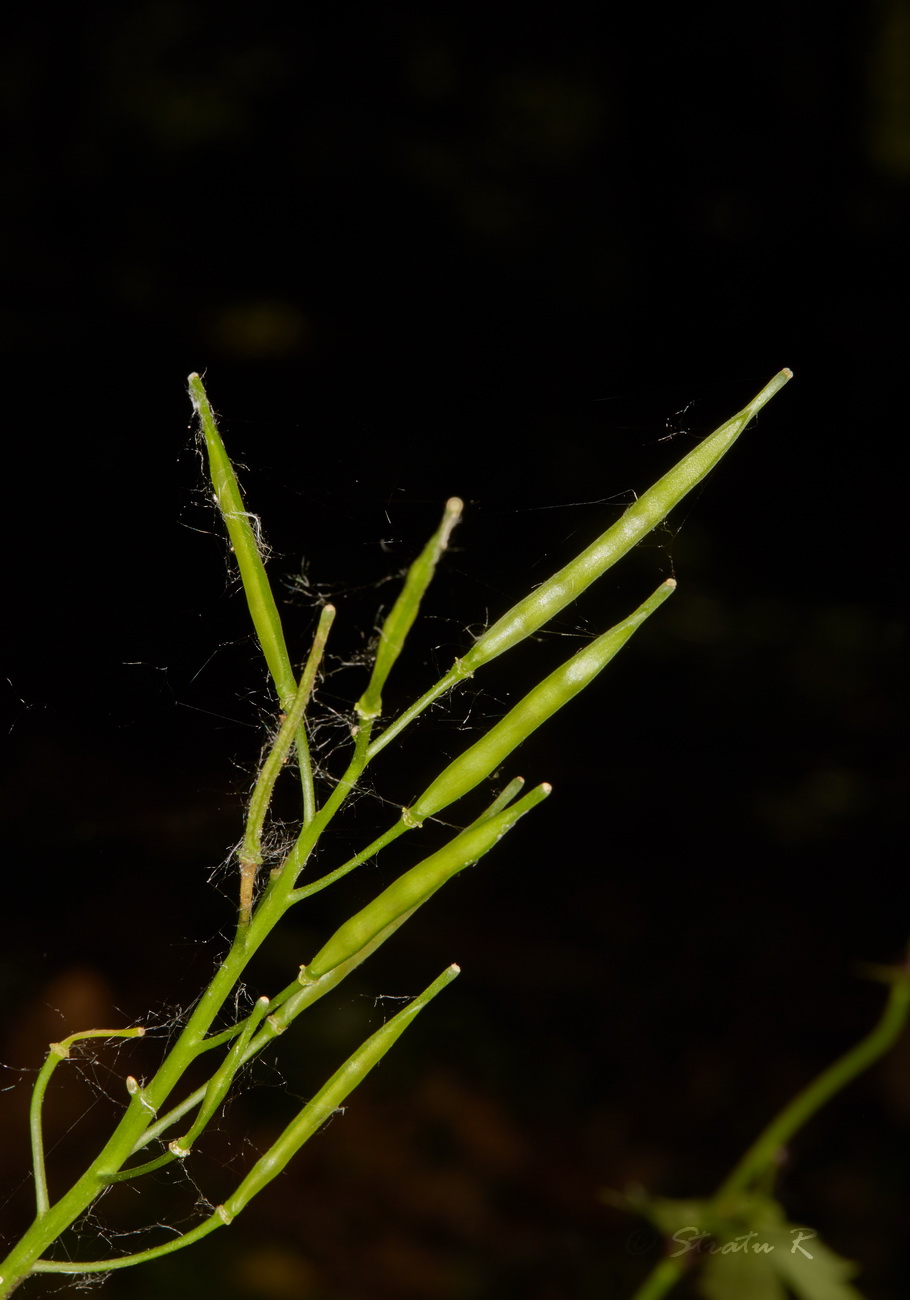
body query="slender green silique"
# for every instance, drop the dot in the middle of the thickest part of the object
(243, 532)
(330, 1097)
(416, 885)
(168, 1116)
(402, 614)
(552, 596)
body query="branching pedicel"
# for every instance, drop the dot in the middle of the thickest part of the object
(144, 1139)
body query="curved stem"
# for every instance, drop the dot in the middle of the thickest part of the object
(762, 1156)
(58, 1052)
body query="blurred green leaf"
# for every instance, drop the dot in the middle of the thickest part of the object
(752, 1253)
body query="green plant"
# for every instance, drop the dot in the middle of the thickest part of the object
(164, 1118)
(750, 1249)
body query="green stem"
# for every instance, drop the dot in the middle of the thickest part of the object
(141, 1111)
(136, 1171)
(127, 1261)
(36, 1128)
(280, 1014)
(58, 1052)
(311, 1118)
(762, 1154)
(370, 851)
(455, 674)
(761, 1159)
(511, 791)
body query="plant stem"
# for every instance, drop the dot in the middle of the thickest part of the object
(311, 1117)
(762, 1156)
(143, 1106)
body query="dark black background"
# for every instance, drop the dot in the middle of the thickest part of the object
(529, 257)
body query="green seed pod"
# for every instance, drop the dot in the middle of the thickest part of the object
(246, 545)
(416, 886)
(476, 763)
(326, 1102)
(646, 513)
(404, 611)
